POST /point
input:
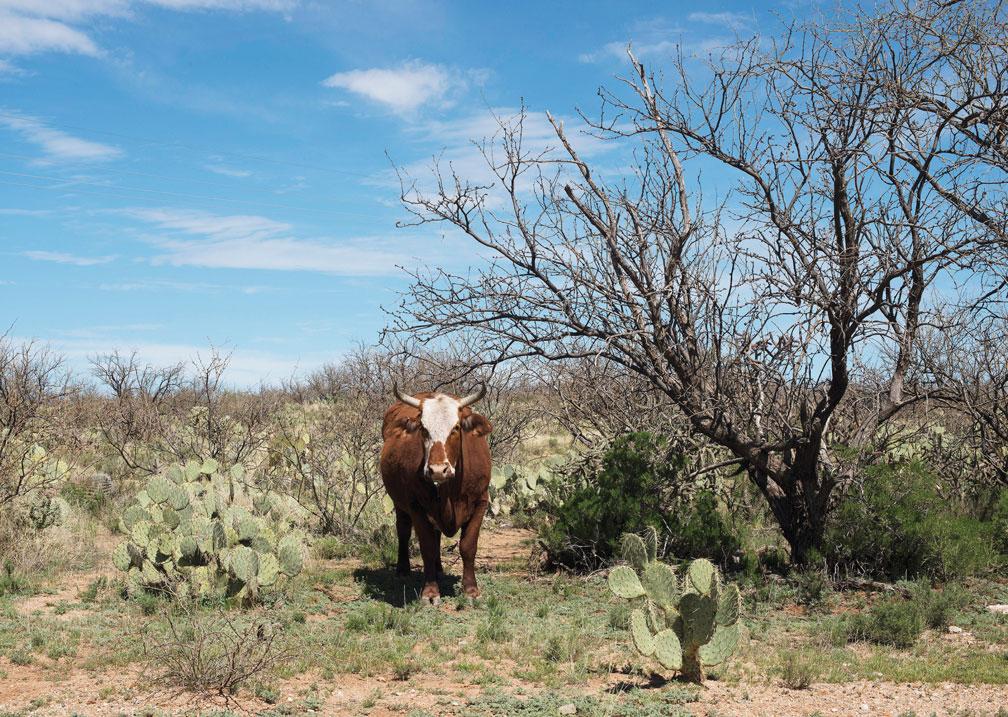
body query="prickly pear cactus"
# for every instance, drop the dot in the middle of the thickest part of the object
(199, 530)
(45, 511)
(686, 624)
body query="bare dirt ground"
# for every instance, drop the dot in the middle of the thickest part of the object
(50, 689)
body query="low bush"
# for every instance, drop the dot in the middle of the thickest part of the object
(938, 608)
(212, 651)
(894, 622)
(900, 526)
(797, 671)
(899, 622)
(999, 523)
(638, 484)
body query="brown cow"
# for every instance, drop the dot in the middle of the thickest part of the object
(435, 464)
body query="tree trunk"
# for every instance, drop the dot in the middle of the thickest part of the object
(799, 499)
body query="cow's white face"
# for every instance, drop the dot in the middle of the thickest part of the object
(439, 416)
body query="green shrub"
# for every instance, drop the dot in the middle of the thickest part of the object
(938, 608)
(999, 523)
(84, 497)
(894, 622)
(899, 526)
(813, 587)
(797, 671)
(634, 489)
(900, 621)
(330, 548)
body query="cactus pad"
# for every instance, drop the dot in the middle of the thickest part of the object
(659, 581)
(634, 551)
(668, 649)
(651, 543)
(624, 583)
(701, 575)
(729, 606)
(722, 645)
(643, 639)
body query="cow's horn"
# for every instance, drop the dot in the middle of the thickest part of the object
(408, 400)
(473, 397)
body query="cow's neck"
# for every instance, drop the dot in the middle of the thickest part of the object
(443, 502)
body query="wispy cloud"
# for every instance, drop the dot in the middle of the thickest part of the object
(56, 144)
(454, 143)
(24, 35)
(409, 86)
(227, 171)
(16, 212)
(730, 20)
(246, 367)
(658, 37)
(256, 242)
(6, 68)
(60, 257)
(31, 26)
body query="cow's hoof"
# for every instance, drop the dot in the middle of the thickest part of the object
(472, 592)
(431, 595)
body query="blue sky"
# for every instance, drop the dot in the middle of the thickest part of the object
(181, 173)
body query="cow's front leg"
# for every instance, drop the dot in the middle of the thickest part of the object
(404, 526)
(467, 548)
(430, 541)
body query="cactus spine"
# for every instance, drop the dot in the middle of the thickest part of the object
(202, 532)
(685, 624)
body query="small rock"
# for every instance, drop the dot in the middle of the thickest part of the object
(567, 709)
(998, 609)
(954, 629)
(864, 708)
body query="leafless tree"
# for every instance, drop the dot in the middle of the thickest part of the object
(782, 318)
(34, 393)
(159, 415)
(971, 361)
(329, 439)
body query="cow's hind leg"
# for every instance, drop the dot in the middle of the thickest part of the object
(404, 526)
(467, 548)
(430, 540)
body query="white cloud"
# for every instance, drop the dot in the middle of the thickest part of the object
(661, 38)
(30, 26)
(255, 242)
(227, 171)
(407, 87)
(65, 258)
(56, 144)
(233, 5)
(246, 368)
(730, 20)
(454, 143)
(23, 35)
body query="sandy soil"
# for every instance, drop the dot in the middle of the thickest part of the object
(112, 693)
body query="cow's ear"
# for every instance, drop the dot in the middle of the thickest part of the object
(476, 424)
(409, 425)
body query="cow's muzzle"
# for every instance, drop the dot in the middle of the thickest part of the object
(440, 472)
